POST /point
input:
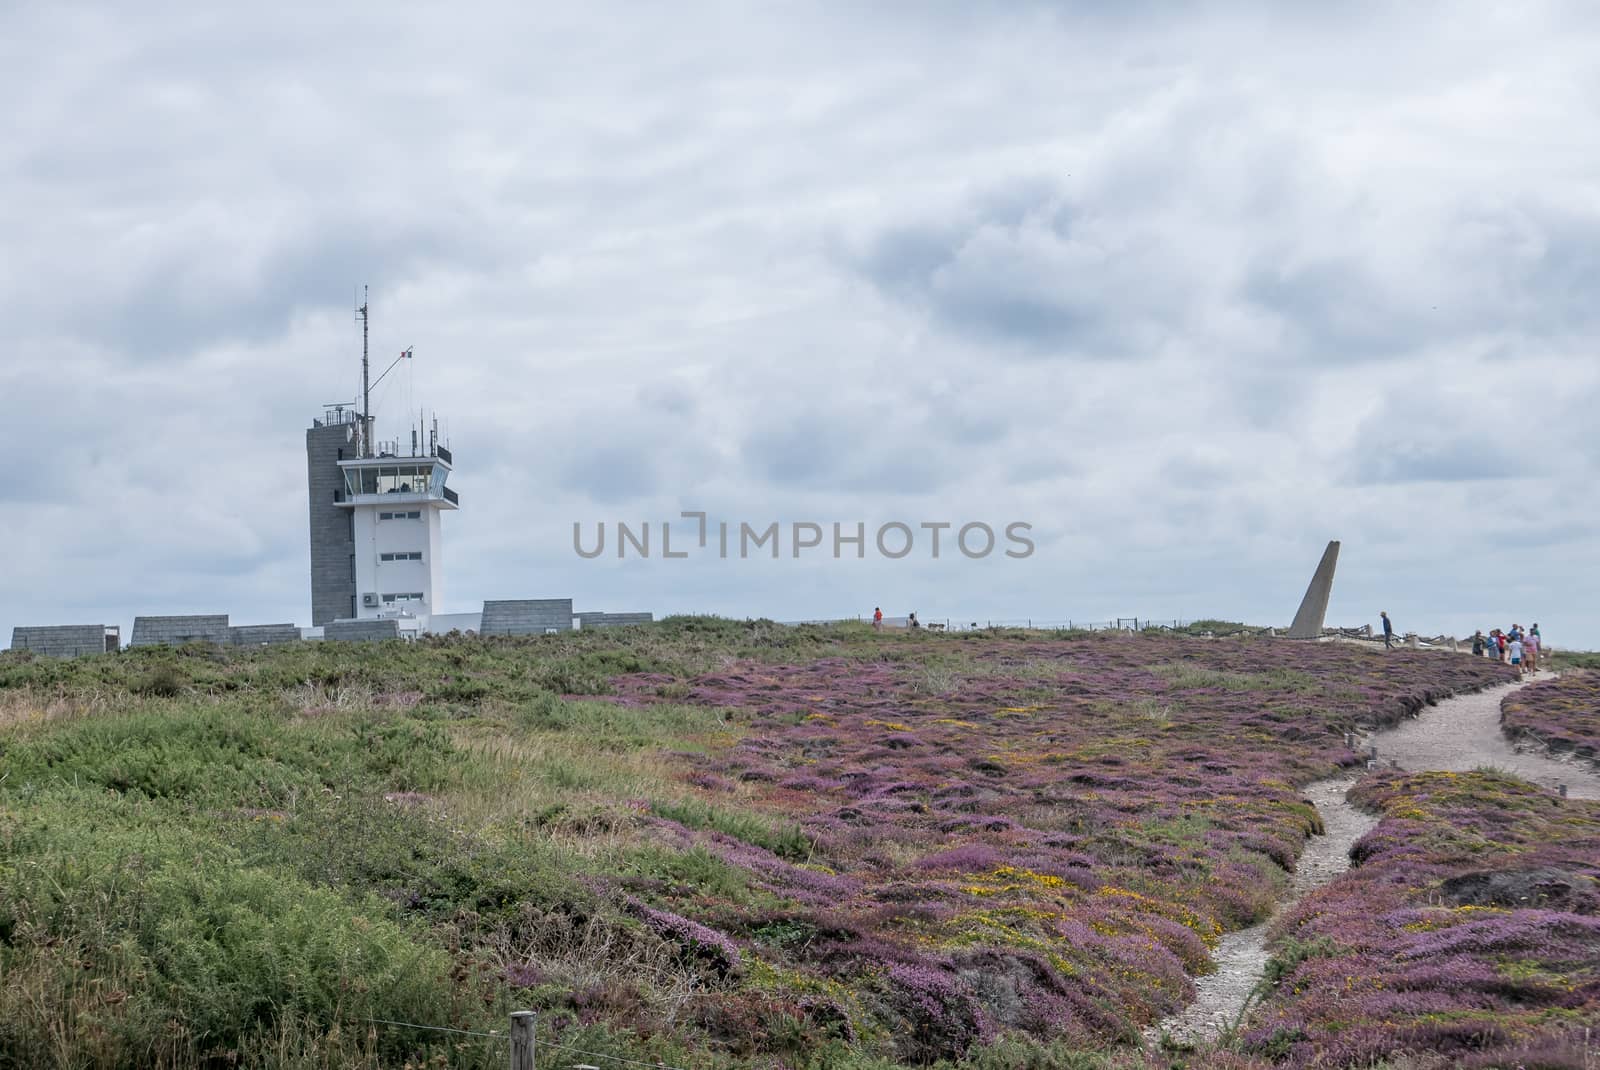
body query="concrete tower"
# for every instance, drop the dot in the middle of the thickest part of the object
(375, 509)
(394, 502)
(333, 551)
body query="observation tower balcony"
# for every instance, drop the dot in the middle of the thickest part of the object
(393, 480)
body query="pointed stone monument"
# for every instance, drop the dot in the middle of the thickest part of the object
(1314, 606)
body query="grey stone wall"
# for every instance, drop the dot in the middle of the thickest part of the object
(526, 616)
(361, 630)
(333, 581)
(151, 631)
(613, 620)
(61, 640)
(259, 634)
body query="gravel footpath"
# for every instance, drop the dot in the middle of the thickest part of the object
(1241, 956)
(1463, 733)
(1459, 734)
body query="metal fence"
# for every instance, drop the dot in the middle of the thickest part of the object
(1062, 624)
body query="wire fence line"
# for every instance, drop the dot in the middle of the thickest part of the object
(611, 1058)
(437, 1028)
(524, 1045)
(967, 624)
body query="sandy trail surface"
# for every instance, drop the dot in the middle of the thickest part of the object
(1241, 957)
(1459, 734)
(1463, 733)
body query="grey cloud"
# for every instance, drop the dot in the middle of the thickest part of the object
(1193, 289)
(174, 306)
(1557, 293)
(1022, 267)
(611, 472)
(1392, 458)
(1336, 310)
(896, 448)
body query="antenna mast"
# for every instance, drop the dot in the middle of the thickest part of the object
(366, 401)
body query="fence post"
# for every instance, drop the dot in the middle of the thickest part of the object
(522, 1040)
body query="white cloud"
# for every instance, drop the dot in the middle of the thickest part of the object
(1190, 294)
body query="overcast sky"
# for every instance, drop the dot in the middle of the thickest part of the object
(1190, 295)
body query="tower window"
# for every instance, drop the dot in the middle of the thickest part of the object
(402, 555)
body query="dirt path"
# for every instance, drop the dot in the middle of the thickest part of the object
(1463, 733)
(1459, 734)
(1241, 956)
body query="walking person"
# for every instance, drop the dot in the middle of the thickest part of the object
(1530, 652)
(877, 618)
(1477, 643)
(1388, 629)
(1516, 656)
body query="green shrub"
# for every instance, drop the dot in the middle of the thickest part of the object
(1290, 954)
(235, 757)
(164, 681)
(410, 857)
(786, 840)
(139, 935)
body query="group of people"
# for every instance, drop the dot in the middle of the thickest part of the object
(877, 619)
(1516, 647)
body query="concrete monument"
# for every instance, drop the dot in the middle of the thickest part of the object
(1314, 606)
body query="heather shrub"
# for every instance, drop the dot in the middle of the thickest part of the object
(590, 672)
(942, 1018)
(1562, 714)
(1466, 930)
(1031, 1053)
(761, 846)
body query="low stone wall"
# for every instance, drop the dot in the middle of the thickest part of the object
(613, 620)
(174, 631)
(361, 630)
(262, 634)
(526, 616)
(60, 640)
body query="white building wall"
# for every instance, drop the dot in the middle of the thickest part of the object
(366, 551)
(375, 537)
(393, 535)
(433, 557)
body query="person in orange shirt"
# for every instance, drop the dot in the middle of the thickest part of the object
(877, 618)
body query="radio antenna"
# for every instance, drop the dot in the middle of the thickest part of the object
(366, 399)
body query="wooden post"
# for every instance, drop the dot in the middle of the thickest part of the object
(522, 1038)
